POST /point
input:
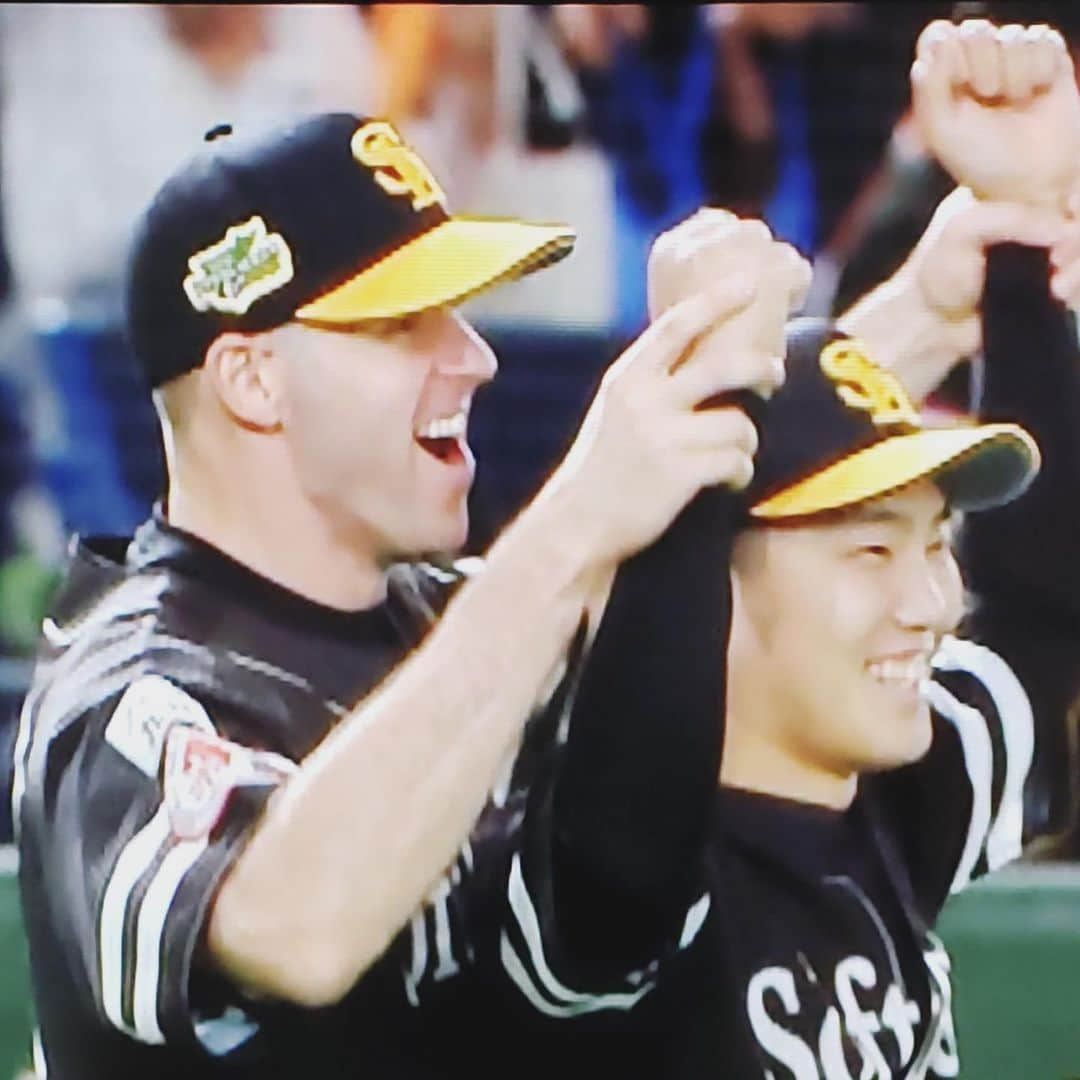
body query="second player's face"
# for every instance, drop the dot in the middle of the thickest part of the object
(376, 423)
(835, 624)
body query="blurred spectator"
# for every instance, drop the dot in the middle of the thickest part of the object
(776, 110)
(808, 97)
(648, 74)
(99, 103)
(766, 105)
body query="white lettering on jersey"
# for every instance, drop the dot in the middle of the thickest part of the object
(439, 899)
(787, 1048)
(861, 1025)
(862, 1022)
(150, 706)
(831, 1047)
(438, 903)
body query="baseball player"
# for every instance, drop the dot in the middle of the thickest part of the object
(268, 823)
(854, 762)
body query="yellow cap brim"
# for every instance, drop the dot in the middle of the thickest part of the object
(441, 268)
(977, 467)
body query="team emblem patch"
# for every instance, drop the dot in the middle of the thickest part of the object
(202, 770)
(245, 264)
(150, 706)
(398, 168)
(862, 384)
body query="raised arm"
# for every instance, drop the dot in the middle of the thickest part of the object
(632, 796)
(998, 107)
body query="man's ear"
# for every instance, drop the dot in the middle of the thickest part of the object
(240, 369)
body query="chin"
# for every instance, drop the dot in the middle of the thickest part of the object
(905, 740)
(448, 539)
(917, 733)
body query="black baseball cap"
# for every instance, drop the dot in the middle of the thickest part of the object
(333, 221)
(841, 430)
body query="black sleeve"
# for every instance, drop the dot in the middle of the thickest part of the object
(610, 879)
(632, 800)
(133, 813)
(1021, 561)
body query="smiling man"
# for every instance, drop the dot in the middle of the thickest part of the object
(851, 763)
(256, 797)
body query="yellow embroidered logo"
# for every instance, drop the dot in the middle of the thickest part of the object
(246, 263)
(398, 168)
(861, 384)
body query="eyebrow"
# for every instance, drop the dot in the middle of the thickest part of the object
(881, 515)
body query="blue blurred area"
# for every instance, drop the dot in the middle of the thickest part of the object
(523, 421)
(107, 467)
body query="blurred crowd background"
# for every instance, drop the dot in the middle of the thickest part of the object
(619, 119)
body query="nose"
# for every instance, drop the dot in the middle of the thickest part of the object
(464, 353)
(926, 597)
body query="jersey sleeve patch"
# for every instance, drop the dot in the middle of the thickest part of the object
(151, 903)
(201, 771)
(150, 707)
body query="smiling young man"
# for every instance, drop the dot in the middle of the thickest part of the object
(256, 796)
(795, 707)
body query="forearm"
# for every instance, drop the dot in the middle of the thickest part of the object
(349, 848)
(903, 335)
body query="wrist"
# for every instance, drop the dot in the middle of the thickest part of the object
(906, 334)
(564, 533)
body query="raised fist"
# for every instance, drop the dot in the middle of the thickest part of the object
(715, 246)
(999, 108)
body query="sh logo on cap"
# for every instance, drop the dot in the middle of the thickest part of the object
(398, 168)
(861, 384)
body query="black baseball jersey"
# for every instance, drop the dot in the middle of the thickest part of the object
(810, 951)
(175, 690)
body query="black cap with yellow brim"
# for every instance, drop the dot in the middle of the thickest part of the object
(444, 266)
(335, 220)
(841, 431)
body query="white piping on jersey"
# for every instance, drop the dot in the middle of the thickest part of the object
(133, 862)
(444, 577)
(516, 970)
(845, 882)
(60, 637)
(1005, 840)
(978, 760)
(469, 565)
(37, 1057)
(263, 667)
(695, 920)
(20, 754)
(571, 1002)
(43, 694)
(57, 637)
(151, 928)
(940, 1007)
